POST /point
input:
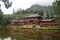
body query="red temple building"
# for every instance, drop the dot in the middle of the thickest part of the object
(16, 21)
(35, 19)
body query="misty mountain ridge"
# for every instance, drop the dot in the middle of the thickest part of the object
(45, 9)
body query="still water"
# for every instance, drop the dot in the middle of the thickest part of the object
(5, 34)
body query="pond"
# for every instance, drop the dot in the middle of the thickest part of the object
(5, 34)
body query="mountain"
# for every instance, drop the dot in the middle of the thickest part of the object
(45, 9)
(35, 7)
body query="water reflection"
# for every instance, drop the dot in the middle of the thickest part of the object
(6, 35)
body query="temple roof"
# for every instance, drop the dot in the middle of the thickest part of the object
(46, 20)
(17, 20)
(33, 15)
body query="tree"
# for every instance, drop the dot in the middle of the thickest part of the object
(7, 3)
(56, 7)
(47, 17)
(4, 21)
(1, 15)
(41, 12)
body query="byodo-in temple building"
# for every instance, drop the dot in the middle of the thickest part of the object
(33, 19)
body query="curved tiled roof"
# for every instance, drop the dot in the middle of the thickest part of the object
(46, 19)
(33, 15)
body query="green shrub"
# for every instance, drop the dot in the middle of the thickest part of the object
(33, 25)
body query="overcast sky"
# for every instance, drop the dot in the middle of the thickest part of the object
(24, 4)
